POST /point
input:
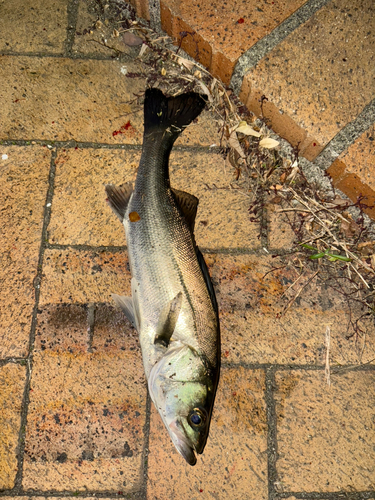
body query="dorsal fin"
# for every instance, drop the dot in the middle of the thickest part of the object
(188, 204)
(118, 198)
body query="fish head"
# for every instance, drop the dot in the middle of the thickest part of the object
(183, 391)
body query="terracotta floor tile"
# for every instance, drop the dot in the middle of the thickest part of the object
(85, 421)
(74, 276)
(62, 328)
(63, 99)
(253, 331)
(12, 384)
(23, 189)
(113, 332)
(65, 497)
(234, 462)
(40, 27)
(325, 434)
(281, 235)
(92, 39)
(360, 157)
(228, 29)
(80, 214)
(222, 220)
(324, 62)
(40, 96)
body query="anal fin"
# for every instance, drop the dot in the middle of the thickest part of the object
(118, 198)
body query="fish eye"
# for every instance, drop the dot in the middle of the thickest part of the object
(198, 417)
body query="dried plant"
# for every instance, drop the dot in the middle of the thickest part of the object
(330, 243)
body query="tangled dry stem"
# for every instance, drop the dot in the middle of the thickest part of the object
(330, 243)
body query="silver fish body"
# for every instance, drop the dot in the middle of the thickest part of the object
(173, 304)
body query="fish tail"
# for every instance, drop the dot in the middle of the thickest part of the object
(172, 113)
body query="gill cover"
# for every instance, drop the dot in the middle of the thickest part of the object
(183, 393)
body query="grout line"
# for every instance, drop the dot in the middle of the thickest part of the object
(74, 56)
(137, 495)
(91, 309)
(146, 449)
(335, 370)
(227, 364)
(251, 57)
(72, 11)
(140, 495)
(204, 250)
(155, 18)
(341, 495)
(264, 226)
(71, 144)
(37, 282)
(87, 248)
(272, 431)
(123, 248)
(12, 359)
(346, 137)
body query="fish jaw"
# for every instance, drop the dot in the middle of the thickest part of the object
(182, 390)
(181, 443)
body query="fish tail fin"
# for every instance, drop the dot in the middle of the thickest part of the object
(173, 113)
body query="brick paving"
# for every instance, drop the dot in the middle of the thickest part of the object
(75, 416)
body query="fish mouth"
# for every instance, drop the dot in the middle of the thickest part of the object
(182, 443)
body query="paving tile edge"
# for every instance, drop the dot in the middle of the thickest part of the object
(344, 138)
(72, 16)
(29, 358)
(154, 11)
(270, 382)
(140, 495)
(251, 57)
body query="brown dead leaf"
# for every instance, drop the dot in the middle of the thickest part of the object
(233, 160)
(234, 144)
(244, 128)
(268, 143)
(185, 62)
(131, 40)
(367, 247)
(340, 201)
(349, 229)
(276, 200)
(283, 177)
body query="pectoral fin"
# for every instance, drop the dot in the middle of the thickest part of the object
(167, 321)
(126, 306)
(130, 305)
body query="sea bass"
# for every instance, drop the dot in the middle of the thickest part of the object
(173, 304)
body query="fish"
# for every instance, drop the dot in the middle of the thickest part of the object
(173, 305)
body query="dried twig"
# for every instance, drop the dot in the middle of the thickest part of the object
(328, 346)
(298, 294)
